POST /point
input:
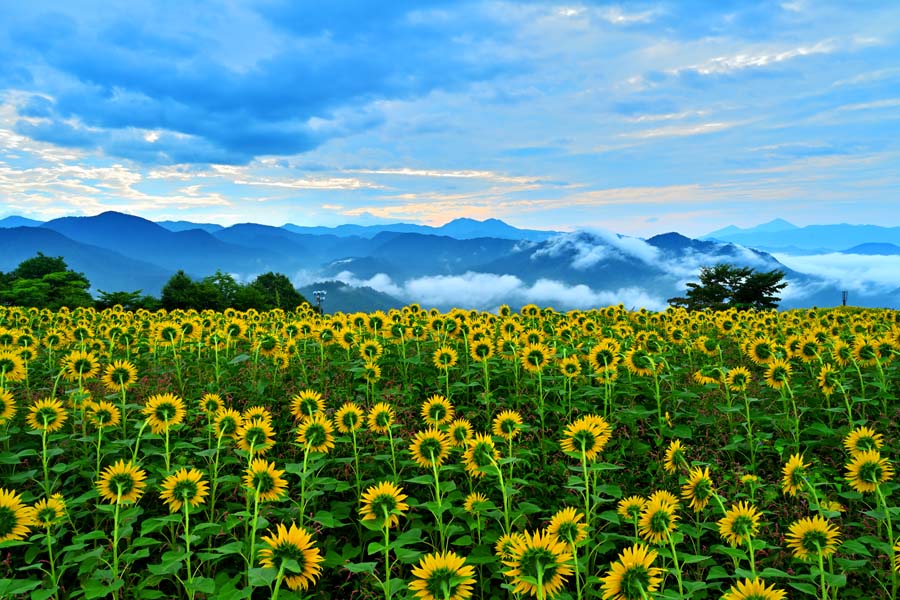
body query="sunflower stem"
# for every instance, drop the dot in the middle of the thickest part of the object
(44, 460)
(189, 585)
(387, 563)
(278, 579)
(823, 589)
(890, 530)
(52, 560)
(115, 547)
(253, 524)
(678, 567)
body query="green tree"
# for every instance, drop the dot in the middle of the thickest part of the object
(45, 282)
(277, 291)
(127, 300)
(180, 292)
(724, 286)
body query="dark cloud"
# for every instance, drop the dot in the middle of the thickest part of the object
(331, 61)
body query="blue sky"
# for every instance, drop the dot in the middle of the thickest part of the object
(636, 117)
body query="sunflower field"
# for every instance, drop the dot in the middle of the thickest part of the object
(611, 454)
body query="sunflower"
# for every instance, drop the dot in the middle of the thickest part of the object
(306, 404)
(841, 353)
(7, 406)
(12, 366)
(381, 417)
(657, 520)
(384, 503)
(630, 508)
(480, 454)
(49, 511)
(674, 457)
(866, 470)
(211, 404)
(538, 557)
(566, 525)
(507, 424)
(255, 436)
(430, 447)
(793, 475)
(865, 352)
(119, 375)
(460, 432)
(163, 411)
(293, 544)
(534, 357)
(632, 576)
(444, 357)
(811, 537)
(639, 362)
(122, 482)
(257, 413)
(862, 439)
(481, 350)
(570, 367)
(740, 523)
(348, 417)
(604, 356)
(475, 502)
(753, 589)
(263, 478)
(737, 379)
(16, 519)
(828, 379)
(504, 545)
(437, 410)
(184, 487)
(47, 415)
(316, 433)
(371, 372)
(698, 489)
(79, 364)
(442, 576)
(778, 373)
(227, 422)
(761, 351)
(589, 434)
(103, 414)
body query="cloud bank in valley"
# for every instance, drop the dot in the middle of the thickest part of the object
(861, 273)
(487, 291)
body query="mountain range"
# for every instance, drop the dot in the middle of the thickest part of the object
(467, 263)
(781, 236)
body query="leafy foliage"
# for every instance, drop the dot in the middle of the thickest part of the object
(724, 286)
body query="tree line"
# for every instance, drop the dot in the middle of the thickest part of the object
(48, 282)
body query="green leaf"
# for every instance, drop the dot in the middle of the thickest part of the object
(363, 567)
(93, 588)
(806, 588)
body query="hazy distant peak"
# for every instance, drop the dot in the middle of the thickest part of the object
(772, 226)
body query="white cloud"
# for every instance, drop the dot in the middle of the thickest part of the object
(461, 174)
(721, 65)
(487, 291)
(864, 274)
(589, 247)
(684, 130)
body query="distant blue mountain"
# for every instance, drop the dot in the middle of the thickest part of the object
(824, 238)
(17, 221)
(196, 251)
(462, 229)
(107, 270)
(119, 252)
(771, 227)
(186, 225)
(874, 249)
